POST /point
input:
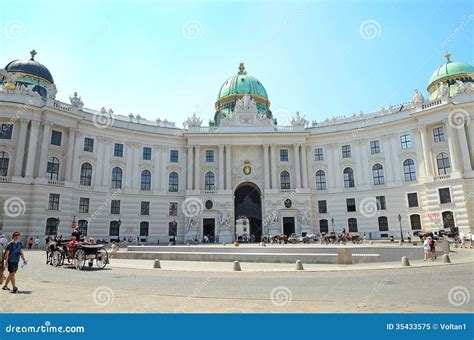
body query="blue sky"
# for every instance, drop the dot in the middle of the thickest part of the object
(169, 59)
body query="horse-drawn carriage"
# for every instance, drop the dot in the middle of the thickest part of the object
(58, 251)
(343, 238)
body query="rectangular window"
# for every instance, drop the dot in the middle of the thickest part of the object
(118, 150)
(115, 207)
(438, 134)
(351, 204)
(145, 208)
(6, 131)
(56, 137)
(209, 156)
(405, 140)
(318, 154)
(283, 155)
(174, 156)
(381, 205)
(374, 147)
(352, 223)
(53, 203)
(147, 153)
(173, 209)
(346, 151)
(444, 196)
(322, 207)
(383, 223)
(88, 144)
(412, 200)
(83, 205)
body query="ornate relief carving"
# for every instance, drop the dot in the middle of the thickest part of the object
(193, 121)
(299, 120)
(76, 101)
(246, 114)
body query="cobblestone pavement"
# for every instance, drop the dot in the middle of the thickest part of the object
(443, 288)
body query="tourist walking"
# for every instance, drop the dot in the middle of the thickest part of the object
(37, 242)
(462, 237)
(469, 238)
(426, 248)
(432, 244)
(115, 248)
(30, 243)
(13, 252)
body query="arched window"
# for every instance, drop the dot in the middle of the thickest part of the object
(209, 181)
(352, 222)
(173, 182)
(409, 170)
(114, 229)
(86, 174)
(348, 178)
(383, 223)
(320, 180)
(52, 226)
(415, 222)
(377, 174)
(285, 180)
(4, 161)
(443, 164)
(82, 226)
(144, 226)
(53, 168)
(145, 183)
(323, 226)
(448, 219)
(117, 178)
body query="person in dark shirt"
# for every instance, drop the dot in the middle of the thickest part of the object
(13, 252)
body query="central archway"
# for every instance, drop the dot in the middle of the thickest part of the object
(248, 203)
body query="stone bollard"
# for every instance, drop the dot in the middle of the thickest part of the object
(371, 242)
(344, 256)
(157, 264)
(236, 266)
(299, 265)
(405, 262)
(446, 258)
(400, 243)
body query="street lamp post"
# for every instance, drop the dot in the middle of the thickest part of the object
(401, 232)
(332, 222)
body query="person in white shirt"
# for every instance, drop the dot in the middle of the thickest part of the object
(469, 238)
(37, 242)
(462, 236)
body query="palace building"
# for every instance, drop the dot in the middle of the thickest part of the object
(406, 166)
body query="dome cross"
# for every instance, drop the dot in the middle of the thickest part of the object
(33, 53)
(447, 55)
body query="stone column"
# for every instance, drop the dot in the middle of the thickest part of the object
(45, 141)
(106, 173)
(366, 175)
(331, 173)
(164, 167)
(425, 143)
(228, 167)
(70, 153)
(21, 147)
(127, 179)
(304, 165)
(337, 169)
(397, 166)
(220, 175)
(297, 166)
(33, 143)
(157, 171)
(101, 141)
(137, 153)
(357, 154)
(388, 166)
(420, 156)
(273, 166)
(453, 148)
(266, 166)
(189, 168)
(75, 160)
(197, 168)
(466, 160)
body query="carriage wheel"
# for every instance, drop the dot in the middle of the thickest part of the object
(57, 258)
(102, 258)
(80, 259)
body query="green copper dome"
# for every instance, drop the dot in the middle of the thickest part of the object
(449, 73)
(242, 83)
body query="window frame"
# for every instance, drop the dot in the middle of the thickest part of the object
(83, 207)
(88, 144)
(56, 137)
(405, 141)
(374, 147)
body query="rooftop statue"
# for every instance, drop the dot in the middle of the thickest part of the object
(443, 90)
(462, 87)
(193, 121)
(76, 101)
(418, 98)
(246, 104)
(298, 120)
(52, 91)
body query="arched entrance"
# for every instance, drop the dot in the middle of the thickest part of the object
(248, 203)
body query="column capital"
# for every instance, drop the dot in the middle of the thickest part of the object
(296, 145)
(272, 146)
(47, 124)
(266, 146)
(23, 121)
(228, 146)
(220, 146)
(35, 123)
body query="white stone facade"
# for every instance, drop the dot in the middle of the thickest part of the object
(404, 132)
